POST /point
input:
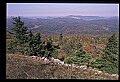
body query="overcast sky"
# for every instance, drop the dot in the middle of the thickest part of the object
(62, 9)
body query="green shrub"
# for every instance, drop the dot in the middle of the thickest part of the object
(83, 60)
(98, 51)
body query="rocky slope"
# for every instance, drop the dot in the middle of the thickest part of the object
(26, 67)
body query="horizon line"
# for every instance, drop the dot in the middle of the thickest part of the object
(62, 16)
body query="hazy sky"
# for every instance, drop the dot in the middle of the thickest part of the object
(62, 9)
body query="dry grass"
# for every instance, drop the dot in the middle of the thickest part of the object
(23, 67)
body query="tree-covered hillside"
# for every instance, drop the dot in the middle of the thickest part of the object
(99, 52)
(69, 25)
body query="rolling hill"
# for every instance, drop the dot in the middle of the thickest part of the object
(80, 25)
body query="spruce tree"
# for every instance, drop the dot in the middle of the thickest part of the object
(109, 61)
(19, 31)
(60, 39)
(49, 48)
(82, 57)
(38, 43)
(111, 54)
(34, 44)
(79, 50)
(112, 45)
(30, 42)
(24, 42)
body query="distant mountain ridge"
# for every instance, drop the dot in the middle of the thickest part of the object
(86, 17)
(71, 24)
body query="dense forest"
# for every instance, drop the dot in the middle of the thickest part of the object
(99, 52)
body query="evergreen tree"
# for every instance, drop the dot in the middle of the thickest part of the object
(34, 44)
(83, 57)
(38, 43)
(11, 48)
(49, 48)
(111, 54)
(112, 45)
(30, 50)
(19, 30)
(109, 61)
(20, 38)
(60, 39)
(79, 50)
(24, 42)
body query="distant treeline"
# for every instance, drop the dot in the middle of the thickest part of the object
(70, 26)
